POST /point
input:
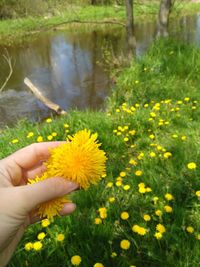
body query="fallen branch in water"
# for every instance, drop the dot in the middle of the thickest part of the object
(9, 61)
(43, 99)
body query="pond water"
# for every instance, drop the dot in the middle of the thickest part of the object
(67, 68)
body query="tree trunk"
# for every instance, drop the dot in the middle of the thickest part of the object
(130, 26)
(163, 18)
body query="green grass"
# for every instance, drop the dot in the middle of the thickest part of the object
(169, 88)
(18, 30)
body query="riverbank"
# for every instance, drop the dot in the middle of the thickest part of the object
(17, 30)
(150, 133)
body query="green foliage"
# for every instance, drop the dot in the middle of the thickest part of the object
(159, 115)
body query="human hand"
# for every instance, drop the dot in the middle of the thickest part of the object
(18, 201)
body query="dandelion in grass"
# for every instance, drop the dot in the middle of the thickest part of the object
(79, 160)
(125, 244)
(158, 235)
(198, 193)
(97, 221)
(41, 236)
(45, 223)
(191, 166)
(168, 197)
(98, 265)
(14, 141)
(37, 245)
(76, 260)
(147, 217)
(160, 228)
(60, 237)
(28, 246)
(124, 215)
(190, 229)
(168, 209)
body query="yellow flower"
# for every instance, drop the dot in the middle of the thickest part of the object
(147, 217)
(190, 229)
(124, 215)
(191, 166)
(98, 221)
(45, 223)
(198, 193)
(30, 134)
(49, 137)
(198, 236)
(168, 209)
(155, 199)
(113, 255)
(118, 183)
(169, 197)
(39, 139)
(66, 125)
(76, 260)
(122, 174)
(126, 187)
(54, 134)
(158, 212)
(125, 244)
(60, 237)
(167, 155)
(79, 160)
(14, 141)
(138, 173)
(110, 184)
(41, 236)
(103, 213)
(133, 162)
(37, 245)
(28, 246)
(152, 136)
(152, 154)
(98, 265)
(111, 199)
(160, 228)
(142, 190)
(49, 120)
(158, 235)
(126, 139)
(139, 230)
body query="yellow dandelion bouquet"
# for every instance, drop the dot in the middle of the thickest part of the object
(79, 160)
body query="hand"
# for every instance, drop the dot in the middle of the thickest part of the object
(18, 200)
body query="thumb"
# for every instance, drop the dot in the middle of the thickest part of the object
(46, 190)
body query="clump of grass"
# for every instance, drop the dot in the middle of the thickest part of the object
(149, 142)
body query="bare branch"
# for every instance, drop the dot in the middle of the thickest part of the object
(9, 61)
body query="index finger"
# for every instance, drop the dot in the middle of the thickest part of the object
(29, 156)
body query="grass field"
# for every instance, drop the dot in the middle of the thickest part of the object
(150, 197)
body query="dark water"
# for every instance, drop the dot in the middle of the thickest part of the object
(69, 67)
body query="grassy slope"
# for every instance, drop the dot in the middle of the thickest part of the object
(15, 30)
(164, 73)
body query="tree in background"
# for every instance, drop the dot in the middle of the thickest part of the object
(163, 18)
(130, 26)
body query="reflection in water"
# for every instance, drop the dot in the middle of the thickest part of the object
(64, 66)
